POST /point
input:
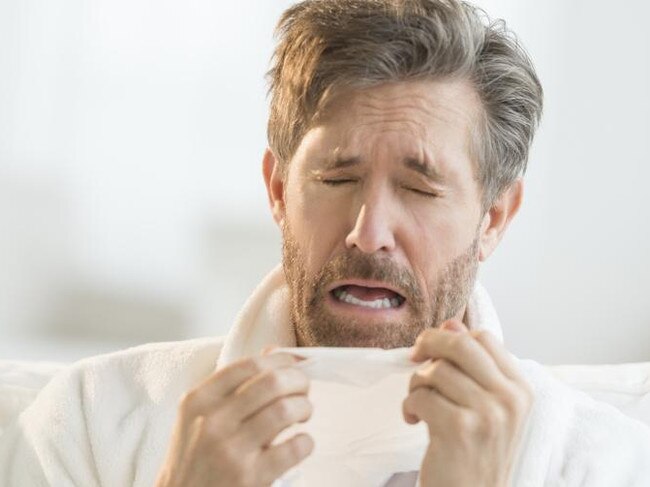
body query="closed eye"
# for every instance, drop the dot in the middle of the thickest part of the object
(428, 194)
(337, 182)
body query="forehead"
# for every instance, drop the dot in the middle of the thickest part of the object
(427, 126)
(408, 116)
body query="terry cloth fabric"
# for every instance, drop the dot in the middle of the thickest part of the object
(107, 420)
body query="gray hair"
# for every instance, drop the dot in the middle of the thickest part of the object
(328, 45)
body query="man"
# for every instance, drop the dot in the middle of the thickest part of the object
(398, 134)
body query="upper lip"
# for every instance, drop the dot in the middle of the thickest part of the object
(367, 283)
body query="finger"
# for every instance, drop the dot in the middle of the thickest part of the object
(464, 352)
(268, 349)
(502, 357)
(450, 381)
(261, 429)
(263, 389)
(222, 383)
(450, 327)
(454, 325)
(433, 408)
(231, 377)
(272, 348)
(276, 460)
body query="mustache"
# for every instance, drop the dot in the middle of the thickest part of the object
(357, 265)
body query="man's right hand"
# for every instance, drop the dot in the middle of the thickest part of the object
(226, 426)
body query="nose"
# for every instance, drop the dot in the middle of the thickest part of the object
(373, 228)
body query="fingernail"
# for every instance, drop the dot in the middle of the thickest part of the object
(452, 326)
(268, 349)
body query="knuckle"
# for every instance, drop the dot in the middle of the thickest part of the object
(253, 365)
(518, 401)
(513, 405)
(283, 410)
(188, 402)
(440, 367)
(466, 423)
(274, 381)
(436, 372)
(211, 429)
(492, 420)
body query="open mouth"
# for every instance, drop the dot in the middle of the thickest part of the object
(368, 296)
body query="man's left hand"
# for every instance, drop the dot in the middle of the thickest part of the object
(475, 403)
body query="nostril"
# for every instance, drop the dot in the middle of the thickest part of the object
(371, 239)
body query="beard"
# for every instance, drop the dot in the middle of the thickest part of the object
(315, 325)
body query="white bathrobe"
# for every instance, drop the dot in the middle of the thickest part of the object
(106, 421)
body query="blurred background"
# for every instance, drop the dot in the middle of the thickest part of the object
(132, 207)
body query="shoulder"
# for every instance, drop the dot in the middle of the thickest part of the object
(147, 377)
(152, 370)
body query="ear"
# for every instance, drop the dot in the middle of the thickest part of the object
(274, 185)
(498, 217)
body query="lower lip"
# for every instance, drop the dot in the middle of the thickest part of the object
(356, 310)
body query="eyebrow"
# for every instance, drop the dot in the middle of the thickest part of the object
(425, 169)
(343, 162)
(421, 167)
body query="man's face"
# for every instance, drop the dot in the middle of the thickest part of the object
(381, 216)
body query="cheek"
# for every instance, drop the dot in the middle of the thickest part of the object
(318, 225)
(436, 237)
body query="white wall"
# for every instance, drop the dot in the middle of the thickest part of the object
(132, 206)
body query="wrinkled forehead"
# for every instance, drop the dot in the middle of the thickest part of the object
(439, 114)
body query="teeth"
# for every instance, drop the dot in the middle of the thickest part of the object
(384, 303)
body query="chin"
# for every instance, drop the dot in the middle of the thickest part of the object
(357, 335)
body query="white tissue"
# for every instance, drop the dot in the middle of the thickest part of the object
(361, 438)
